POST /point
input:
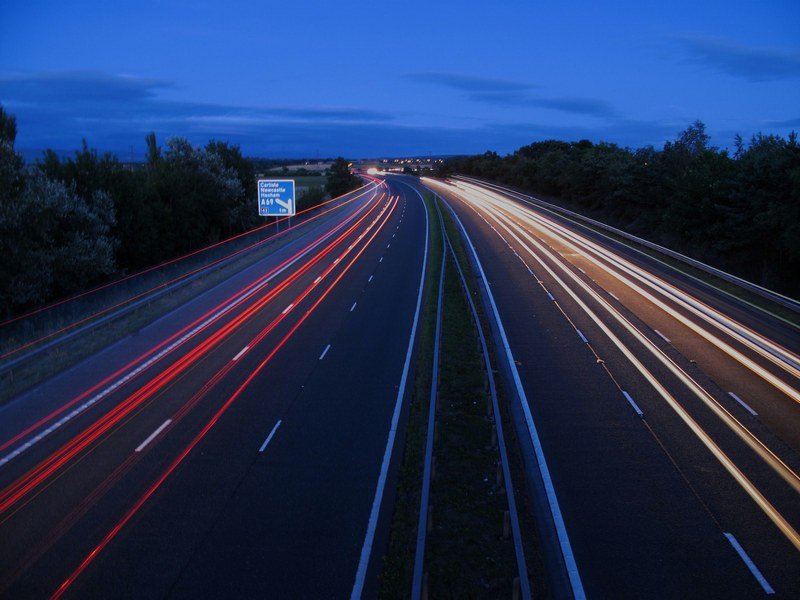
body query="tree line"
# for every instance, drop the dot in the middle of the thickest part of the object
(739, 212)
(70, 223)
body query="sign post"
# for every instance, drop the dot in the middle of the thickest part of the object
(276, 197)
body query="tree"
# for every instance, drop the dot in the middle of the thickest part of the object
(242, 212)
(340, 179)
(694, 139)
(11, 164)
(53, 242)
(741, 214)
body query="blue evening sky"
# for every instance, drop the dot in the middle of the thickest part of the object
(301, 78)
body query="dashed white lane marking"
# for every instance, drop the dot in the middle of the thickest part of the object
(750, 564)
(324, 352)
(632, 403)
(743, 403)
(269, 437)
(153, 435)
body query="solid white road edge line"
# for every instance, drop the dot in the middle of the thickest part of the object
(372, 524)
(555, 509)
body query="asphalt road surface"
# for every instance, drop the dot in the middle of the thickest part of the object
(234, 447)
(246, 443)
(667, 412)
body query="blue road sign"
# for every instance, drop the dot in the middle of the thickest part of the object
(276, 197)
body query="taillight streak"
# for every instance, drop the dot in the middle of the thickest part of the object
(222, 308)
(25, 484)
(83, 507)
(213, 421)
(160, 286)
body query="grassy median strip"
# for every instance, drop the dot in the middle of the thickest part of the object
(468, 554)
(398, 565)
(469, 550)
(525, 510)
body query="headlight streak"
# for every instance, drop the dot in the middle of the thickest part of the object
(780, 356)
(773, 461)
(777, 355)
(544, 208)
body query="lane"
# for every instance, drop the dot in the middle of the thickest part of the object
(36, 513)
(651, 487)
(26, 410)
(331, 368)
(311, 498)
(758, 317)
(117, 406)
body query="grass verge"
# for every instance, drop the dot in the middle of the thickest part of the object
(71, 352)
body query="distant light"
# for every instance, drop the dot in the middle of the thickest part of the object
(372, 171)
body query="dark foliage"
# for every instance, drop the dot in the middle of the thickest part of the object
(69, 223)
(740, 213)
(340, 179)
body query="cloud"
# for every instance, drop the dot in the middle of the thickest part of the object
(624, 132)
(469, 83)
(81, 84)
(325, 113)
(114, 112)
(82, 96)
(752, 64)
(295, 138)
(504, 92)
(580, 106)
(510, 98)
(786, 123)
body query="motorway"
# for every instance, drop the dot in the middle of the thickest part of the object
(240, 446)
(667, 412)
(246, 443)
